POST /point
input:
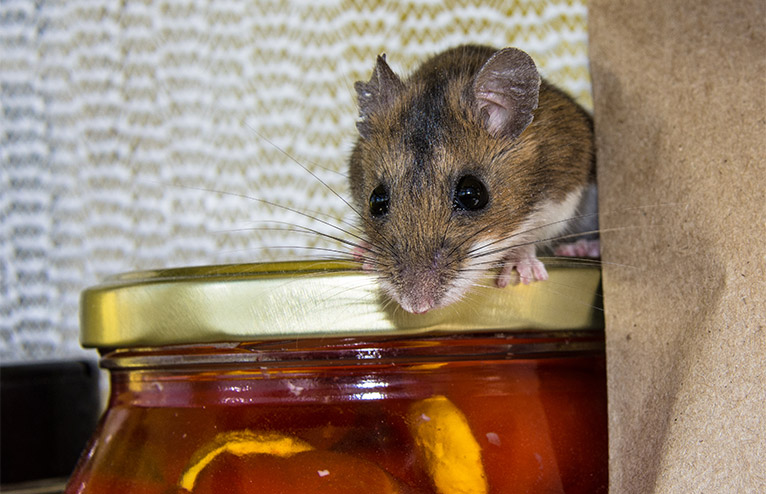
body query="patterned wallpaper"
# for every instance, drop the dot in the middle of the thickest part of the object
(140, 134)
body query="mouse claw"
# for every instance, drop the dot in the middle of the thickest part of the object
(524, 268)
(507, 276)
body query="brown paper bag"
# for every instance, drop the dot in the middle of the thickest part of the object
(680, 117)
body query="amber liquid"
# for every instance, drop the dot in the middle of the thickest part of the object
(540, 422)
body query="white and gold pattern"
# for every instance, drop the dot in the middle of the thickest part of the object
(133, 130)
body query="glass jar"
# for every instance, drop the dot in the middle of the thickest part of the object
(333, 391)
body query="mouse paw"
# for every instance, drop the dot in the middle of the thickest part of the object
(361, 254)
(582, 248)
(524, 268)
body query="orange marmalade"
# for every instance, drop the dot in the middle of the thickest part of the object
(257, 398)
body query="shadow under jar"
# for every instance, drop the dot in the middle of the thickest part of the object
(297, 378)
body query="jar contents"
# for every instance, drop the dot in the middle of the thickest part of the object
(474, 414)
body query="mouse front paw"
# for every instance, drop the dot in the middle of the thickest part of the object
(522, 267)
(361, 254)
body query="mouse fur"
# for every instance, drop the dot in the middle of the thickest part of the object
(471, 111)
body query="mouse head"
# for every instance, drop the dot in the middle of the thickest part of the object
(432, 173)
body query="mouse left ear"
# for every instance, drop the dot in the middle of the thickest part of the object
(506, 92)
(379, 92)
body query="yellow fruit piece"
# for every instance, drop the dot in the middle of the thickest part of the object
(446, 443)
(240, 443)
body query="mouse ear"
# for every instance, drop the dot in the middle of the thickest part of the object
(506, 91)
(379, 92)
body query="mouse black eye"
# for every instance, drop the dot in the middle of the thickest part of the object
(470, 194)
(379, 202)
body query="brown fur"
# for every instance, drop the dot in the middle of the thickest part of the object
(428, 134)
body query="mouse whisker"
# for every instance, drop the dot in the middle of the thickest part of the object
(498, 263)
(343, 256)
(292, 228)
(386, 247)
(481, 252)
(484, 246)
(579, 261)
(284, 208)
(469, 238)
(314, 175)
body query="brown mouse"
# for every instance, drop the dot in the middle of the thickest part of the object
(467, 165)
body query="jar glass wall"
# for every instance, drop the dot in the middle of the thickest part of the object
(466, 413)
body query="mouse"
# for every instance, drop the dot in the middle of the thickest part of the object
(471, 163)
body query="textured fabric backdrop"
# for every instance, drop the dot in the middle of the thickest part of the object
(121, 120)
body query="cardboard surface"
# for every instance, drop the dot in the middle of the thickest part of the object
(680, 116)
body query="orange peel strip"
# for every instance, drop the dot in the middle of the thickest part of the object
(444, 440)
(240, 443)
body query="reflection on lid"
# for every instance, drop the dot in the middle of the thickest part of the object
(315, 298)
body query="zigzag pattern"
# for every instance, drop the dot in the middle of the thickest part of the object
(154, 134)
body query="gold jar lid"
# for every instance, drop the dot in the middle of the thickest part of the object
(306, 299)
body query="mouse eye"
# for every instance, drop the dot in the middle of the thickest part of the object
(379, 201)
(470, 194)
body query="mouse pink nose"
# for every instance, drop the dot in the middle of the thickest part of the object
(418, 306)
(420, 289)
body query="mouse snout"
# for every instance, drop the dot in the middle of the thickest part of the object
(420, 296)
(422, 284)
(422, 306)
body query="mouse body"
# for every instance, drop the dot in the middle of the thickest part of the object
(467, 165)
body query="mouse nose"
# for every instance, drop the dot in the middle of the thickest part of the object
(420, 294)
(417, 306)
(422, 307)
(420, 284)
